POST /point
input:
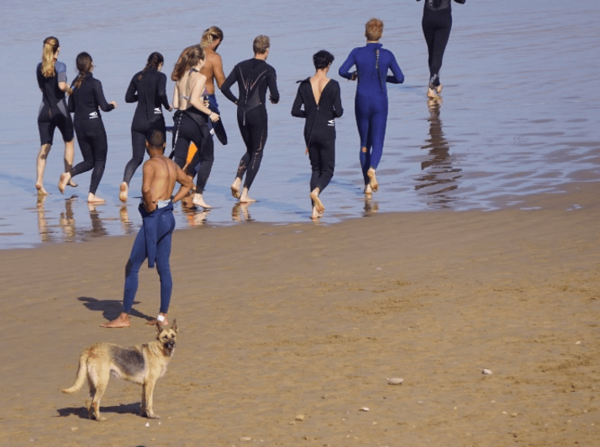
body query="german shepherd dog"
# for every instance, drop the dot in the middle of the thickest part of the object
(142, 364)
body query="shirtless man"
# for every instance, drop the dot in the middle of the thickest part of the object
(154, 238)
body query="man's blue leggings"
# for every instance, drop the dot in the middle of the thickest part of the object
(371, 119)
(166, 225)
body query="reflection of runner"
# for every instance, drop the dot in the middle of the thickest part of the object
(436, 23)
(148, 89)
(371, 104)
(85, 102)
(52, 80)
(154, 238)
(253, 76)
(322, 104)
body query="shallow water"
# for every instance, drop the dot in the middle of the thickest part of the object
(519, 113)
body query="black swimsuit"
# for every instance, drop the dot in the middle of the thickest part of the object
(53, 111)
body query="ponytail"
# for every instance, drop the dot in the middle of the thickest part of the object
(84, 65)
(51, 46)
(154, 60)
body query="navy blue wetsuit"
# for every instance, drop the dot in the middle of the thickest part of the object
(319, 128)
(253, 76)
(436, 24)
(53, 110)
(91, 135)
(371, 103)
(151, 95)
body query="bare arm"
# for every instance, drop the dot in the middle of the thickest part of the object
(218, 71)
(185, 182)
(147, 199)
(198, 83)
(176, 96)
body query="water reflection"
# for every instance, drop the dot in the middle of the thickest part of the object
(370, 206)
(43, 227)
(439, 177)
(240, 212)
(98, 228)
(195, 216)
(67, 221)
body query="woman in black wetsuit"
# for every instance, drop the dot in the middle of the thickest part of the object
(322, 104)
(192, 126)
(52, 80)
(148, 89)
(85, 101)
(436, 23)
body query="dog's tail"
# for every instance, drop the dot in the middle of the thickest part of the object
(81, 374)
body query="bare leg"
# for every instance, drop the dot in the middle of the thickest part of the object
(121, 321)
(64, 180)
(69, 157)
(318, 205)
(199, 201)
(153, 322)
(244, 198)
(123, 192)
(92, 198)
(235, 188)
(372, 180)
(41, 166)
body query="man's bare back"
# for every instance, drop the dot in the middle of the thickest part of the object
(160, 176)
(213, 70)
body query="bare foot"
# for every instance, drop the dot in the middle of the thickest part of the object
(368, 190)
(235, 188)
(316, 214)
(431, 93)
(41, 190)
(154, 321)
(121, 321)
(318, 205)
(372, 179)
(438, 89)
(72, 184)
(245, 198)
(64, 180)
(199, 201)
(123, 192)
(92, 198)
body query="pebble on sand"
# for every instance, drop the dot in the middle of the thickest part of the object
(395, 381)
(487, 372)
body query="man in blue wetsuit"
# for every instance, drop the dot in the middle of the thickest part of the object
(371, 103)
(154, 238)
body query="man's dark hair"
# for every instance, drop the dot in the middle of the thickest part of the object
(322, 59)
(155, 139)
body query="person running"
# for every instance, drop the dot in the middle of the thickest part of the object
(148, 89)
(436, 24)
(153, 241)
(213, 70)
(51, 77)
(194, 117)
(85, 102)
(253, 76)
(322, 103)
(371, 102)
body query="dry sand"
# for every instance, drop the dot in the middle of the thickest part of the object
(288, 332)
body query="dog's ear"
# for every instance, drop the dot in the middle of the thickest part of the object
(174, 325)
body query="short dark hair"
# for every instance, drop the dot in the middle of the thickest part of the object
(155, 138)
(322, 59)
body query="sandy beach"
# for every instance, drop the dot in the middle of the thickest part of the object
(288, 334)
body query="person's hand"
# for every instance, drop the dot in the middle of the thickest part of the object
(170, 109)
(114, 103)
(214, 117)
(306, 151)
(354, 76)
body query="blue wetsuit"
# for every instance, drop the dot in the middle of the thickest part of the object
(371, 103)
(153, 242)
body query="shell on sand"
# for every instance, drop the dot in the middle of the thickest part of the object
(395, 381)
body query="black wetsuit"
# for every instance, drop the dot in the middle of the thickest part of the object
(319, 128)
(53, 110)
(437, 23)
(253, 76)
(91, 135)
(150, 94)
(193, 126)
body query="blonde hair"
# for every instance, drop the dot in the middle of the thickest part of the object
(210, 35)
(51, 46)
(261, 44)
(187, 59)
(374, 29)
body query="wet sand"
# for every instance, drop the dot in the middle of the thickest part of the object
(288, 332)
